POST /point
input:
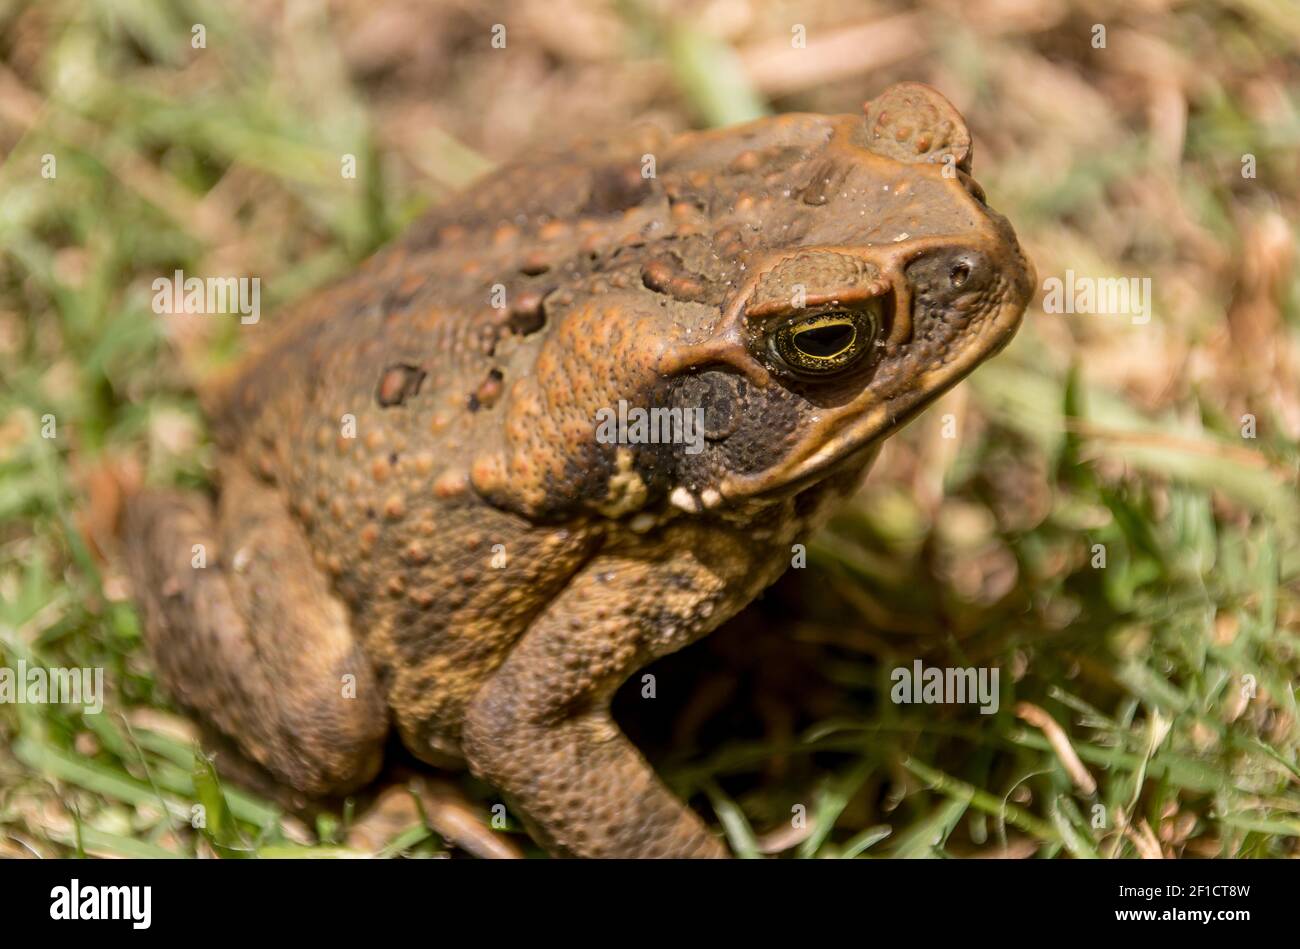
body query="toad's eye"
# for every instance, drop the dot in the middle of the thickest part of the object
(824, 343)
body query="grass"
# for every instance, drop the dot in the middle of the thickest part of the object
(1170, 672)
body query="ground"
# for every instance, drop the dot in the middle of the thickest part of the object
(1106, 514)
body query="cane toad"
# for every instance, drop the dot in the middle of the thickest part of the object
(441, 508)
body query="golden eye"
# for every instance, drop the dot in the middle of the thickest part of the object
(825, 343)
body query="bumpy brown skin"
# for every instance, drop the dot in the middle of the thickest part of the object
(416, 520)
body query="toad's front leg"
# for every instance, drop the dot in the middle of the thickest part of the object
(540, 727)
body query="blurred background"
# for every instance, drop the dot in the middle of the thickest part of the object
(1148, 706)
